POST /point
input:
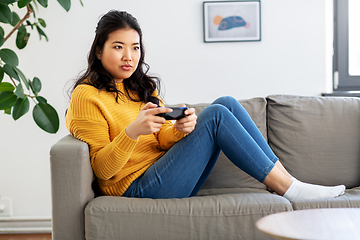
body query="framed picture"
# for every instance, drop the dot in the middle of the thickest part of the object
(232, 21)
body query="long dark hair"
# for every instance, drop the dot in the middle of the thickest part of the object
(97, 76)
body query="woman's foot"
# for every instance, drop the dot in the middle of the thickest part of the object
(299, 190)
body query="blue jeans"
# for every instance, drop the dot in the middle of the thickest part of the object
(225, 125)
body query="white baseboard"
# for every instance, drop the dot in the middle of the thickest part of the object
(25, 225)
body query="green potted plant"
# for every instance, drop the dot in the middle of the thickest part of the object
(16, 90)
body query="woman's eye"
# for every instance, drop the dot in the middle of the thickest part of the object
(118, 47)
(136, 48)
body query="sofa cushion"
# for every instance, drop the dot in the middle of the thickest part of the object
(225, 174)
(208, 217)
(351, 199)
(316, 138)
(219, 191)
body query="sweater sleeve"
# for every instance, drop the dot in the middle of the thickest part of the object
(168, 136)
(86, 122)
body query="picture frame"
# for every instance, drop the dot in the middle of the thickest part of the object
(232, 21)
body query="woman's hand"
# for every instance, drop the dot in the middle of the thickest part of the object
(186, 124)
(146, 122)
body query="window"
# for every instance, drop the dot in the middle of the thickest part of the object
(346, 66)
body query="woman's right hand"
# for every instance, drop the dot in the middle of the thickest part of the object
(146, 122)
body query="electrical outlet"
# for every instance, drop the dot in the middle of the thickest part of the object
(5, 207)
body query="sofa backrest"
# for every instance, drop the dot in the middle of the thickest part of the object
(316, 138)
(225, 174)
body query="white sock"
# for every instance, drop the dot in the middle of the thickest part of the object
(299, 190)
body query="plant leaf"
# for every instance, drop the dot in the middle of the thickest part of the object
(7, 111)
(9, 56)
(66, 4)
(9, 70)
(2, 38)
(43, 3)
(36, 85)
(46, 117)
(1, 74)
(28, 23)
(22, 77)
(23, 3)
(42, 22)
(34, 12)
(22, 37)
(20, 108)
(7, 100)
(15, 19)
(8, 1)
(5, 86)
(41, 100)
(5, 13)
(41, 33)
(19, 92)
(36, 5)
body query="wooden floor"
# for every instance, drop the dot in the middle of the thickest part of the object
(25, 236)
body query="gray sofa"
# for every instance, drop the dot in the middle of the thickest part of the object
(316, 138)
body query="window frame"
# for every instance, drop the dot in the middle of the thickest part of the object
(341, 78)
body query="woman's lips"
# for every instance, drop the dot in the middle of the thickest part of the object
(126, 67)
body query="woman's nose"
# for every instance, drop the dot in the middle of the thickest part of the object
(127, 56)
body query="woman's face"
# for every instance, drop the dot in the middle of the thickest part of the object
(121, 53)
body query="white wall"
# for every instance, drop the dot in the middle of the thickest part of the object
(291, 58)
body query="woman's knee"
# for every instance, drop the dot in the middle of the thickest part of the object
(230, 103)
(213, 111)
(226, 101)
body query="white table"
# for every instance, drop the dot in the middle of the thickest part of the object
(325, 223)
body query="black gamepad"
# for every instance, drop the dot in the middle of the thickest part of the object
(176, 114)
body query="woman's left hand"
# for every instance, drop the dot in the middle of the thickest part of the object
(186, 124)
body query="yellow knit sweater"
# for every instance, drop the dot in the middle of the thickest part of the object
(117, 160)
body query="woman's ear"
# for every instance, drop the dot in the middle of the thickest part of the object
(98, 54)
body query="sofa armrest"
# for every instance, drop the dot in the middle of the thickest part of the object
(71, 179)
